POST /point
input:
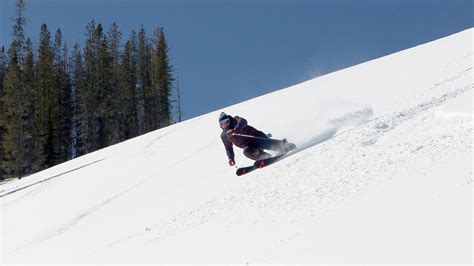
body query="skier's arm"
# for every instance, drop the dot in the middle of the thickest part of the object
(230, 151)
(228, 148)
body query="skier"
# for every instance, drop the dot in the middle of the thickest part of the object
(236, 131)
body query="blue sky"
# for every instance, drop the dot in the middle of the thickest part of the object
(233, 50)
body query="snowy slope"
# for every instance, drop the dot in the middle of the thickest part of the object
(383, 175)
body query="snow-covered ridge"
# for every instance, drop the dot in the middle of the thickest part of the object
(383, 174)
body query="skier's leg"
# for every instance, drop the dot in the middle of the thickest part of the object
(280, 146)
(270, 144)
(254, 153)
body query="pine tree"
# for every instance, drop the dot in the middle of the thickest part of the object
(134, 85)
(145, 90)
(3, 70)
(88, 124)
(165, 80)
(29, 86)
(126, 84)
(114, 36)
(155, 84)
(104, 94)
(79, 104)
(60, 89)
(129, 124)
(46, 104)
(179, 109)
(66, 141)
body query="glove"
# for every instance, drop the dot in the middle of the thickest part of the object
(231, 162)
(231, 132)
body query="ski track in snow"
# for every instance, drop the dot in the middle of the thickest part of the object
(313, 191)
(68, 225)
(45, 180)
(150, 152)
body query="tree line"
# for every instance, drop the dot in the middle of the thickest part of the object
(58, 103)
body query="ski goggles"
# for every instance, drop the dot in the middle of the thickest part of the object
(224, 123)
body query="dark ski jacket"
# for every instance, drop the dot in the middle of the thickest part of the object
(240, 126)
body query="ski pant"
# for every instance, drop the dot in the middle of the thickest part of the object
(255, 149)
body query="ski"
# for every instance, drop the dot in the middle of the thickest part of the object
(245, 170)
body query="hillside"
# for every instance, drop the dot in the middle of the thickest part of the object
(383, 174)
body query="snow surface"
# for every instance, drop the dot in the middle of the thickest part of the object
(383, 174)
